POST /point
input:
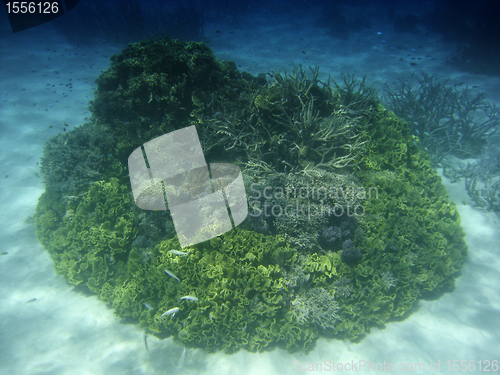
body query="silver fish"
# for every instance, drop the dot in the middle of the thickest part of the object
(177, 252)
(170, 312)
(181, 359)
(170, 273)
(189, 298)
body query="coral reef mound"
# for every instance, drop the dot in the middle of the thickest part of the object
(348, 227)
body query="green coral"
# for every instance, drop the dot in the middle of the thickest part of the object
(154, 87)
(296, 124)
(237, 279)
(88, 236)
(289, 284)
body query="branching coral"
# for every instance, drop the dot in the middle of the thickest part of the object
(481, 177)
(447, 119)
(317, 306)
(297, 123)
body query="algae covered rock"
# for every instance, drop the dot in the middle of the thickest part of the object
(348, 225)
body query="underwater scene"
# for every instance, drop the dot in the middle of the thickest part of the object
(200, 187)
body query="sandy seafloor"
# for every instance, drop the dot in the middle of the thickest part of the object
(46, 327)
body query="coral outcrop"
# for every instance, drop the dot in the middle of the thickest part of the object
(305, 270)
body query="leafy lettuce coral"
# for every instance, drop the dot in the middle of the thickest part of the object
(237, 279)
(88, 236)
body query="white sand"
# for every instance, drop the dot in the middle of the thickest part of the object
(46, 327)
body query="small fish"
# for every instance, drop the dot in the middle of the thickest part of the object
(196, 101)
(181, 359)
(170, 312)
(169, 273)
(189, 298)
(147, 306)
(177, 252)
